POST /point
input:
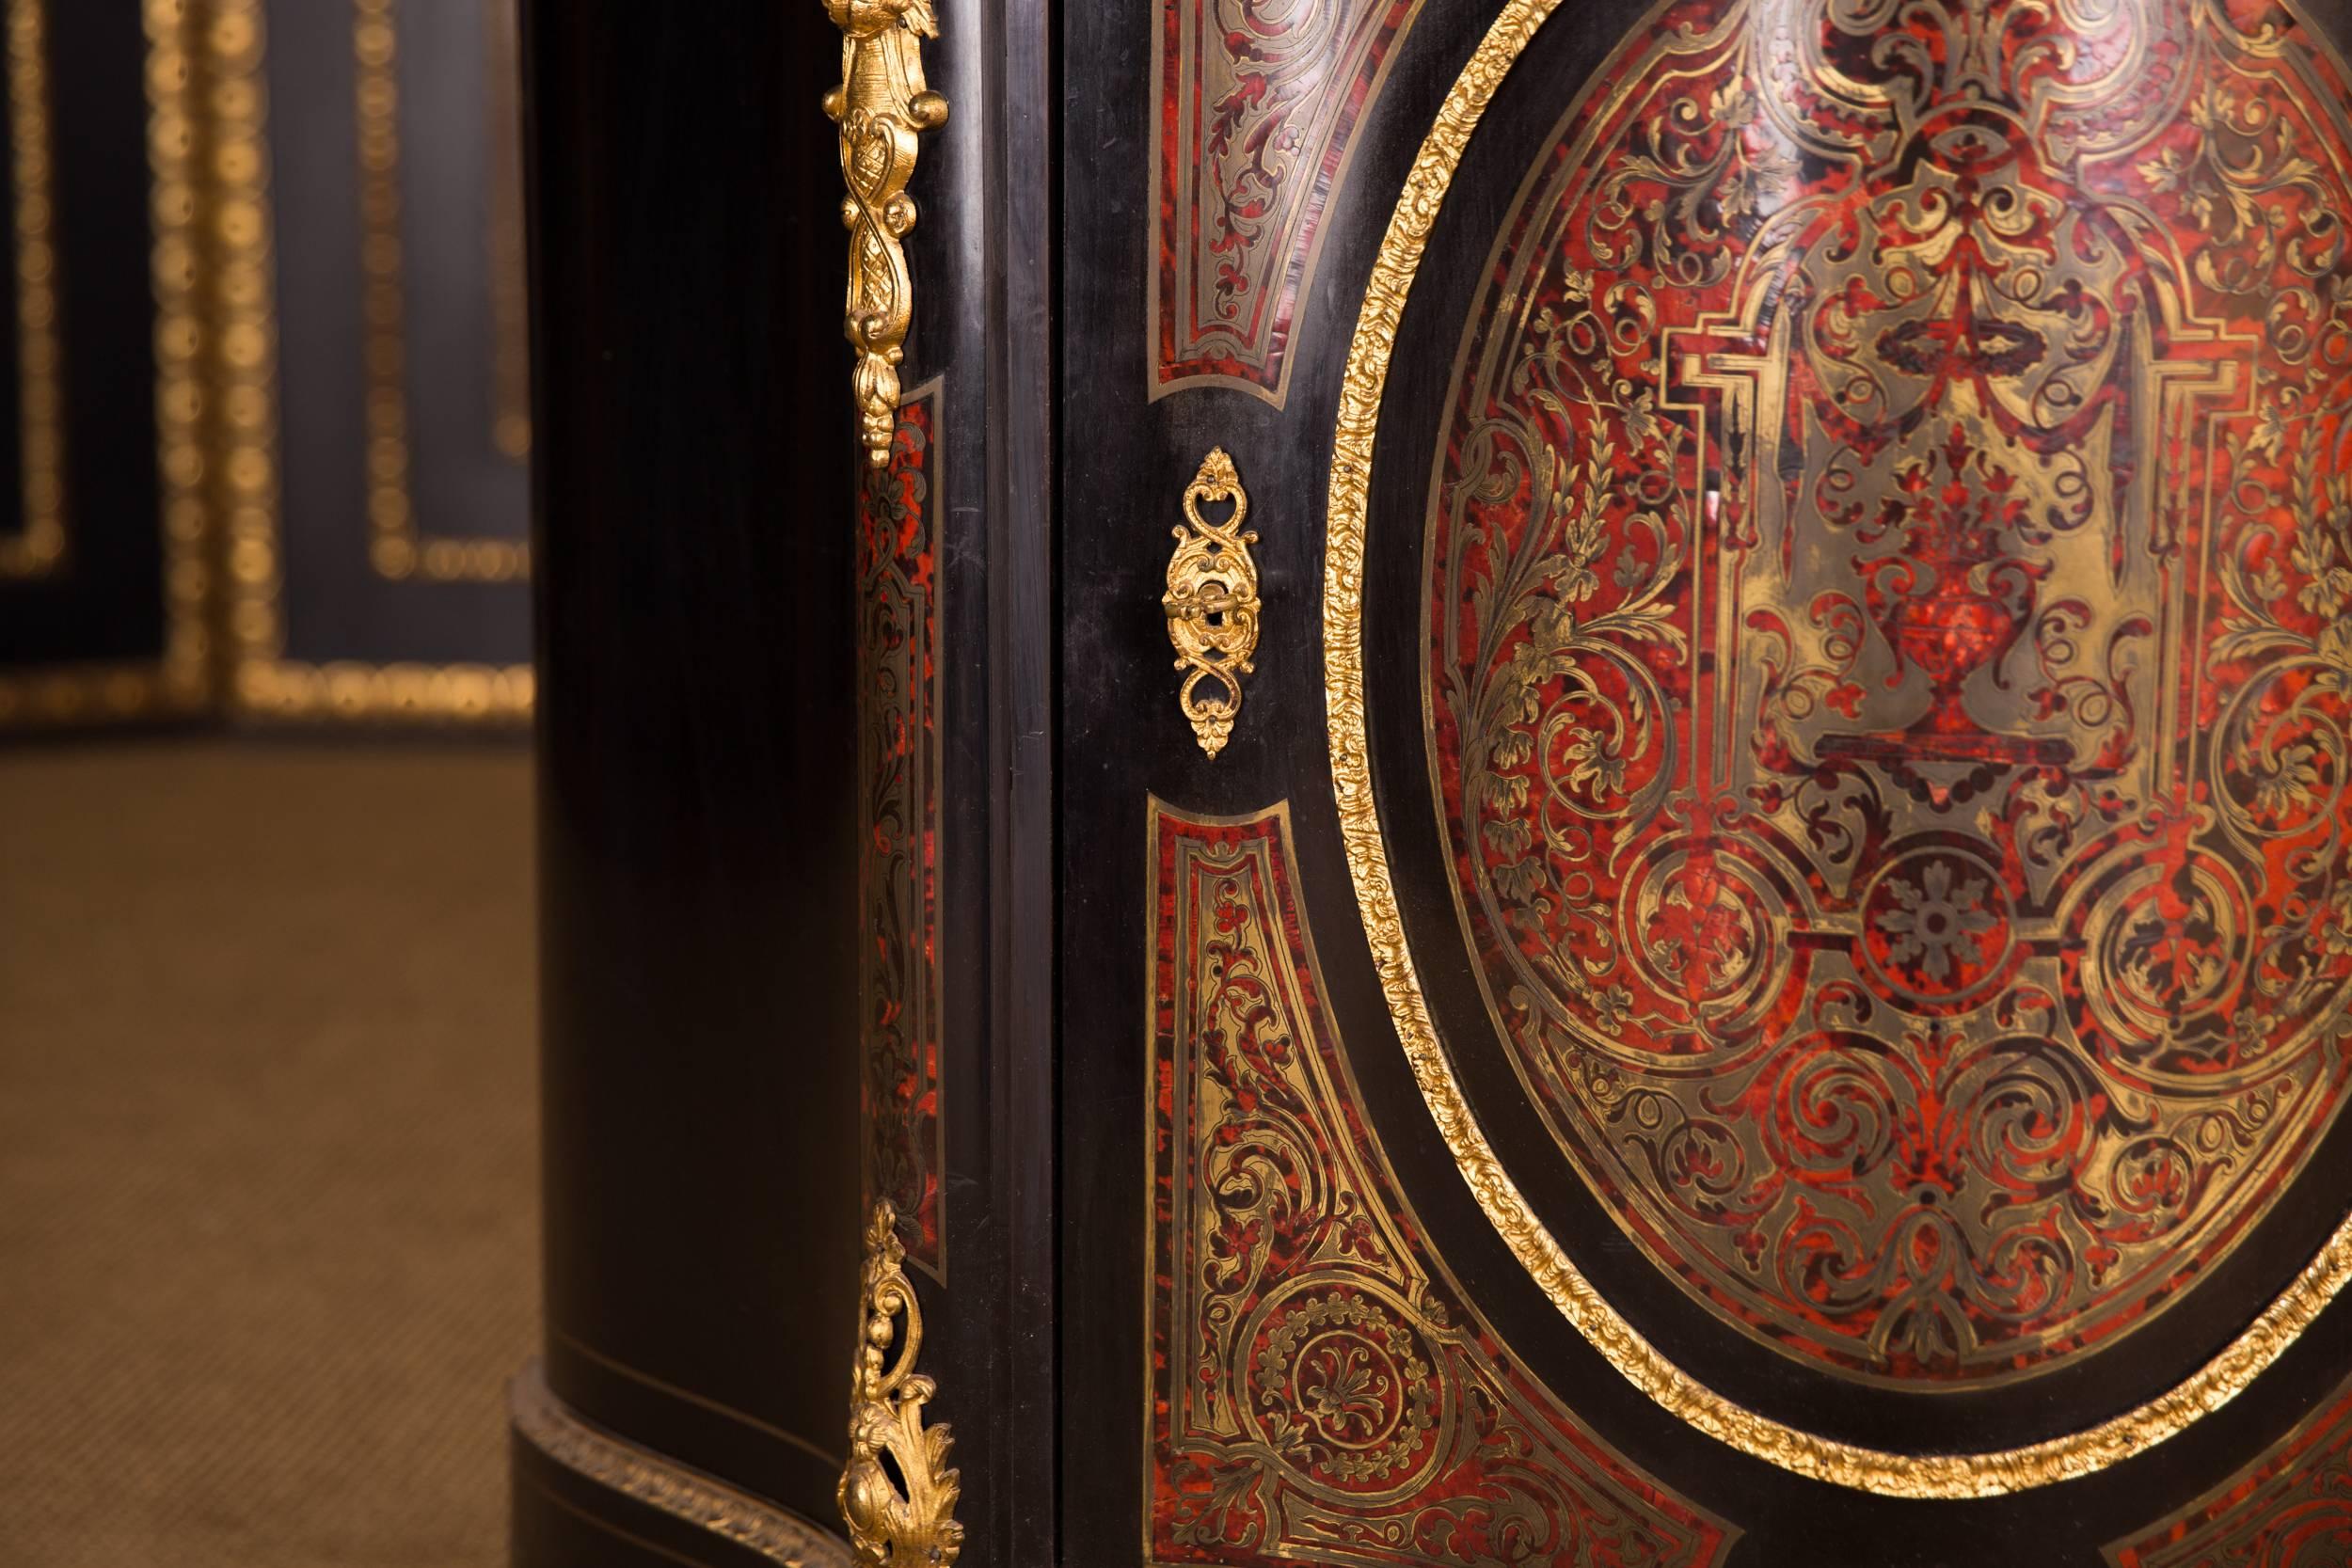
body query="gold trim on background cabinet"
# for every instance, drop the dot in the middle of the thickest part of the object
(180, 682)
(1648, 1369)
(40, 544)
(646, 1477)
(510, 277)
(398, 548)
(241, 373)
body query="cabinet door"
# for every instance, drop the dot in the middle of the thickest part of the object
(373, 362)
(1704, 745)
(102, 571)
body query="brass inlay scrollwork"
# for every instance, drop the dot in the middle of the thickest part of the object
(881, 103)
(1813, 721)
(1257, 109)
(1319, 1388)
(1650, 1369)
(1212, 602)
(902, 1519)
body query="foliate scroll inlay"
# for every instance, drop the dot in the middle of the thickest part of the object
(899, 838)
(1890, 604)
(2290, 1509)
(1321, 1390)
(1258, 103)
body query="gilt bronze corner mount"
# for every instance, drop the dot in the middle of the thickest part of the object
(902, 1513)
(881, 103)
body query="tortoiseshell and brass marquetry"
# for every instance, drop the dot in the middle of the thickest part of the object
(899, 831)
(1321, 1389)
(1888, 684)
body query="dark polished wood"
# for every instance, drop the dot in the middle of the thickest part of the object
(695, 495)
(695, 645)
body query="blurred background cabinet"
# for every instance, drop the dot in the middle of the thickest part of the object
(284, 243)
(389, 574)
(104, 557)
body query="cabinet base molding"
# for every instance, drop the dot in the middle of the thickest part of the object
(548, 1425)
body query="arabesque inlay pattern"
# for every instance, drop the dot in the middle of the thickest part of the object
(1321, 1390)
(899, 764)
(1257, 106)
(1890, 687)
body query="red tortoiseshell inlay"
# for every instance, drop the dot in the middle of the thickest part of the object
(1257, 104)
(899, 832)
(1320, 1390)
(1889, 657)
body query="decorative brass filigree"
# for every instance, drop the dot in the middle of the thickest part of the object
(1257, 108)
(1916, 1476)
(1212, 602)
(1319, 1389)
(880, 104)
(898, 672)
(1937, 674)
(909, 1520)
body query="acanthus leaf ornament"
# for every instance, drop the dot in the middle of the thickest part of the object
(880, 104)
(903, 1513)
(1212, 602)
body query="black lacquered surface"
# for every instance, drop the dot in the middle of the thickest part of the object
(696, 713)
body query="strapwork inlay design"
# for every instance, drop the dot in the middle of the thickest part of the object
(1889, 657)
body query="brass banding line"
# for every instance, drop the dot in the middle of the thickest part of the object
(588, 1353)
(1928, 1475)
(642, 1475)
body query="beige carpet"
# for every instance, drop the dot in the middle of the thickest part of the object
(267, 1177)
